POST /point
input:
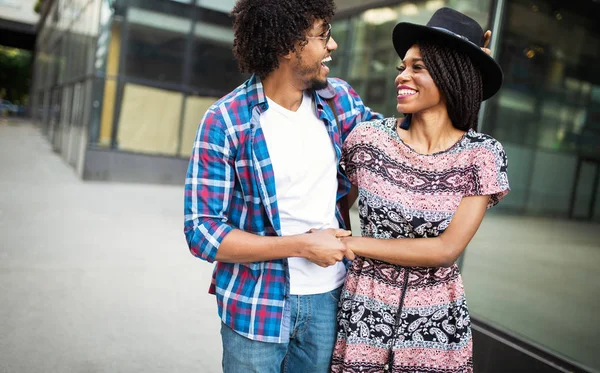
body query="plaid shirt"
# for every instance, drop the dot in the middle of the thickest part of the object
(230, 185)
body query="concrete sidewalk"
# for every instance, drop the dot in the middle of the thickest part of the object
(96, 277)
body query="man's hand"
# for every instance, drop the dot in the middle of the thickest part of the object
(487, 36)
(324, 248)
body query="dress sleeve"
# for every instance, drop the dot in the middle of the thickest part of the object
(490, 177)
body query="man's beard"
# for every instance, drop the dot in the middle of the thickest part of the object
(313, 83)
(317, 84)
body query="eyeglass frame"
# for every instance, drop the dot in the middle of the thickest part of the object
(326, 37)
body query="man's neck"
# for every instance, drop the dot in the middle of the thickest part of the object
(283, 89)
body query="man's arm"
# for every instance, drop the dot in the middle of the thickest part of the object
(320, 247)
(208, 190)
(487, 36)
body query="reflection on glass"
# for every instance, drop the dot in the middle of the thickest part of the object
(547, 118)
(213, 65)
(224, 6)
(156, 45)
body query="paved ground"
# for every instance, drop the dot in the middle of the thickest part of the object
(96, 277)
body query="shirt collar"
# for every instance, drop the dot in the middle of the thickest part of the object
(256, 92)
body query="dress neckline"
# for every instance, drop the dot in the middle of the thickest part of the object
(410, 148)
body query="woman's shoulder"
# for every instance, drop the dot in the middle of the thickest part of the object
(368, 131)
(483, 149)
(384, 124)
(479, 140)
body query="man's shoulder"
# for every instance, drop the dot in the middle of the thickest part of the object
(233, 107)
(338, 83)
(339, 90)
(232, 100)
(336, 86)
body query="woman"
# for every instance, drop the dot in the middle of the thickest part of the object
(423, 184)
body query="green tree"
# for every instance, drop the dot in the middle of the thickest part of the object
(15, 74)
(38, 6)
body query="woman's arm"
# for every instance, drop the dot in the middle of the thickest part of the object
(441, 251)
(352, 195)
(346, 203)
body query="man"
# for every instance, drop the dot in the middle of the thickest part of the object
(263, 172)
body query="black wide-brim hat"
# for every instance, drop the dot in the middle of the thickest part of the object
(455, 30)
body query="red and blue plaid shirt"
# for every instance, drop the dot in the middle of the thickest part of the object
(230, 184)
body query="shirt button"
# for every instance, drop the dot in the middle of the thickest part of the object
(386, 367)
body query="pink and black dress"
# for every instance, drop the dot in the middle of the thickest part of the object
(410, 319)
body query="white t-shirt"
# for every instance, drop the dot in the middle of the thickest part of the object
(305, 168)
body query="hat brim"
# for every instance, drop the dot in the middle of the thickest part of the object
(405, 35)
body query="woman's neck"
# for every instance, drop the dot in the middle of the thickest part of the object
(431, 132)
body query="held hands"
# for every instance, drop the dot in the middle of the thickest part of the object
(324, 247)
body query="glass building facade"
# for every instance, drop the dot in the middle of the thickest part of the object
(133, 78)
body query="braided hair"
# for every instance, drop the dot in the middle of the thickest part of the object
(265, 30)
(459, 81)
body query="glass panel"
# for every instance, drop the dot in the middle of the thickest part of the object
(213, 66)
(547, 116)
(224, 6)
(65, 120)
(149, 120)
(156, 45)
(340, 32)
(108, 46)
(585, 190)
(100, 123)
(597, 199)
(547, 184)
(195, 108)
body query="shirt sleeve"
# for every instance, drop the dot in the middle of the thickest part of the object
(348, 160)
(355, 111)
(208, 188)
(490, 172)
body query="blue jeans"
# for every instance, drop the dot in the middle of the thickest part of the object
(313, 330)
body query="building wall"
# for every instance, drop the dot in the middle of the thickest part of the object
(141, 72)
(19, 11)
(63, 74)
(166, 62)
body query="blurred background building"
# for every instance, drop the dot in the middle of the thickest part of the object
(120, 86)
(18, 24)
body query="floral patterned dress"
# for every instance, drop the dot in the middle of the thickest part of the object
(410, 319)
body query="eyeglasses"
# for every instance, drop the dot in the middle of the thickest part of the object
(324, 36)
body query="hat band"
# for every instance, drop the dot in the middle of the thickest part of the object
(454, 34)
